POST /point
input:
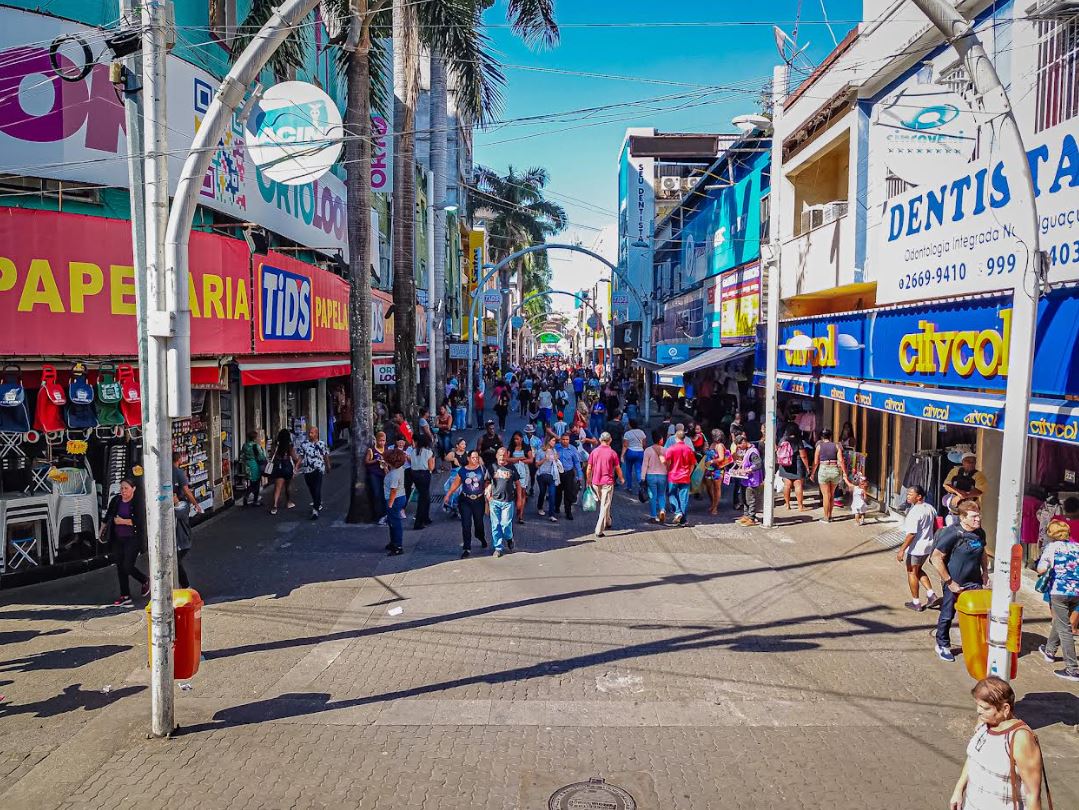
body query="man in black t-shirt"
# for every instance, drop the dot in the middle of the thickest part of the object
(503, 491)
(960, 558)
(488, 444)
(617, 431)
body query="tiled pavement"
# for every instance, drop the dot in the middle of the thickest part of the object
(708, 667)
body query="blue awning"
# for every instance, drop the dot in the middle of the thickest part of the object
(801, 384)
(672, 375)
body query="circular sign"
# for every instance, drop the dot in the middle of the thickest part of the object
(594, 793)
(295, 134)
(930, 132)
(517, 321)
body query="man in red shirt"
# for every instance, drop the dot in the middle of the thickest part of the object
(403, 428)
(680, 463)
(603, 469)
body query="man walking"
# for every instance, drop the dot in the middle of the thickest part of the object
(314, 462)
(959, 556)
(918, 543)
(603, 468)
(680, 460)
(503, 491)
(566, 491)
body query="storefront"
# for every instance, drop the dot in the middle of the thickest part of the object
(267, 332)
(919, 385)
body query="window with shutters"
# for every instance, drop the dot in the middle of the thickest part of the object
(1058, 71)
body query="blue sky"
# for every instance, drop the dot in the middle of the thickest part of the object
(658, 45)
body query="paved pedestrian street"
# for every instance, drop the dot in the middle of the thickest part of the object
(705, 667)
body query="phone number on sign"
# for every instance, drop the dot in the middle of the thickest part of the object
(943, 274)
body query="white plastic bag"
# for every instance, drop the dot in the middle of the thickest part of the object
(777, 483)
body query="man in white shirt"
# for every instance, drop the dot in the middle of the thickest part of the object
(919, 526)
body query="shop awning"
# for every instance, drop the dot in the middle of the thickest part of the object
(672, 375)
(1054, 419)
(271, 370)
(647, 365)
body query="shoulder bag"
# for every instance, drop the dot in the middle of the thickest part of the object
(1016, 782)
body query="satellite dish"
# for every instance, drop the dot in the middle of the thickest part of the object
(787, 46)
(752, 123)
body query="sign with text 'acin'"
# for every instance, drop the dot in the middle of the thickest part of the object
(297, 133)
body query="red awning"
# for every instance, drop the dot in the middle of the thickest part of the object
(270, 370)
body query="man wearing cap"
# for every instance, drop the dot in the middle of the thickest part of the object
(603, 469)
(965, 481)
(488, 443)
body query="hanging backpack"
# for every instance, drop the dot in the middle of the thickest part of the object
(80, 400)
(131, 401)
(109, 396)
(785, 454)
(49, 413)
(14, 416)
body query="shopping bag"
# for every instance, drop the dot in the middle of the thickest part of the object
(777, 483)
(589, 502)
(697, 478)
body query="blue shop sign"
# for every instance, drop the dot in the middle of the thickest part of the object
(962, 344)
(668, 353)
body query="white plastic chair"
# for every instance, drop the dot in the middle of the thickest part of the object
(36, 511)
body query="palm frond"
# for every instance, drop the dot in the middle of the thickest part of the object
(289, 56)
(454, 28)
(534, 22)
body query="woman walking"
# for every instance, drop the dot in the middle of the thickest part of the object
(376, 475)
(456, 459)
(394, 487)
(633, 441)
(285, 462)
(254, 459)
(717, 458)
(467, 484)
(444, 428)
(422, 466)
(124, 529)
(828, 460)
(792, 462)
(1004, 768)
(548, 473)
(654, 474)
(521, 458)
(1061, 556)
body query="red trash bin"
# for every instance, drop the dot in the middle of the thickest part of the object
(187, 646)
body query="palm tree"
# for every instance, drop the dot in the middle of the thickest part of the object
(518, 217)
(455, 29)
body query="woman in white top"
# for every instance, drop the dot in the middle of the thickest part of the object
(1003, 757)
(421, 463)
(548, 472)
(633, 441)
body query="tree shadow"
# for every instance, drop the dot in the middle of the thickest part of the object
(68, 658)
(20, 636)
(73, 698)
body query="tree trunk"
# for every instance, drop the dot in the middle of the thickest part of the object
(358, 163)
(405, 67)
(439, 136)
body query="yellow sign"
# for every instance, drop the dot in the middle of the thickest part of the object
(822, 355)
(929, 351)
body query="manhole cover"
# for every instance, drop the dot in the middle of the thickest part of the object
(595, 794)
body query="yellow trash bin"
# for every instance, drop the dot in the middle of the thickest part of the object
(973, 610)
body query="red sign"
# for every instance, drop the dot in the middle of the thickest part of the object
(67, 288)
(382, 341)
(299, 308)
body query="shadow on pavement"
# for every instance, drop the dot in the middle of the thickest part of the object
(736, 639)
(68, 658)
(1041, 709)
(73, 698)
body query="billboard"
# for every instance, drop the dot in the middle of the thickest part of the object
(75, 130)
(740, 302)
(67, 288)
(299, 307)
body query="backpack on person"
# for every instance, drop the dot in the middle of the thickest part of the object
(785, 453)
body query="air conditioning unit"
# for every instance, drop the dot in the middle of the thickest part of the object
(1050, 9)
(670, 183)
(689, 182)
(812, 217)
(834, 210)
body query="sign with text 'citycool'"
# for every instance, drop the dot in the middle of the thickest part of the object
(964, 233)
(961, 345)
(296, 133)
